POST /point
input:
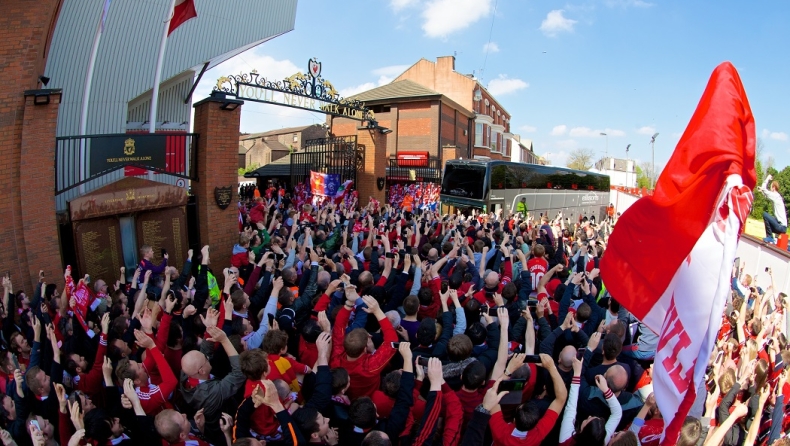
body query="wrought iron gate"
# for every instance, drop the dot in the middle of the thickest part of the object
(339, 155)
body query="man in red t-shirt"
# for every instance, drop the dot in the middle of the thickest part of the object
(537, 266)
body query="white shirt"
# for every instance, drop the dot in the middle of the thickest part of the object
(777, 200)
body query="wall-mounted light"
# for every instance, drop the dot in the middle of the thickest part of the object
(41, 99)
(230, 105)
(384, 130)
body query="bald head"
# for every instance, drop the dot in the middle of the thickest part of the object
(616, 378)
(289, 275)
(566, 357)
(323, 279)
(433, 255)
(195, 365)
(492, 280)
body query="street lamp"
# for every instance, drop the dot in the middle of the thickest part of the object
(627, 184)
(606, 154)
(653, 162)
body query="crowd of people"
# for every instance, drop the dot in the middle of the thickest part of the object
(374, 326)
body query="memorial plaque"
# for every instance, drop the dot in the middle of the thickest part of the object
(99, 250)
(127, 196)
(165, 228)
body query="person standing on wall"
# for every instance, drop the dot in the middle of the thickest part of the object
(777, 223)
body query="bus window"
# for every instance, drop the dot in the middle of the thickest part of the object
(464, 180)
(499, 177)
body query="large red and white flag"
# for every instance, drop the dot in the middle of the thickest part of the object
(183, 10)
(670, 257)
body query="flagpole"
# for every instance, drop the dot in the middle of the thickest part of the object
(159, 63)
(86, 92)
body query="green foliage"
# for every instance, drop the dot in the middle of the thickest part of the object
(641, 178)
(248, 169)
(761, 202)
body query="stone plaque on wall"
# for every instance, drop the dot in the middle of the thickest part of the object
(165, 228)
(99, 250)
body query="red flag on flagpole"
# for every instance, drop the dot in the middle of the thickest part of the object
(182, 11)
(670, 257)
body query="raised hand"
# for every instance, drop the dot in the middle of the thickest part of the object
(504, 319)
(546, 361)
(143, 340)
(493, 396)
(435, 375)
(515, 363)
(210, 320)
(60, 391)
(170, 303)
(189, 311)
(76, 439)
(226, 423)
(595, 339)
(323, 322)
(600, 381)
(36, 328)
(257, 396)
(271, 398)
(568, 322)
(105, 323)
(216, 335)
(577, 366)
(106, 369)
(147, 320)
(77, 417)
(372, 304)
(200, 420)
(324, 344)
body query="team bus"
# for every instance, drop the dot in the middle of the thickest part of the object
(492, 185)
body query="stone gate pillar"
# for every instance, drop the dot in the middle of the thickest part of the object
(374, 167)
(217, 121)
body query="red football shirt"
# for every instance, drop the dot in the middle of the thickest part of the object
(537, 269)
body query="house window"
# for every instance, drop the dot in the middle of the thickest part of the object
(488, 139)
(478, 134)
(296, 138)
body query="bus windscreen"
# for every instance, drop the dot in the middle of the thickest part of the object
(464, 180)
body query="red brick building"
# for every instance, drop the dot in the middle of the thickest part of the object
(420, 120)
(490, 128)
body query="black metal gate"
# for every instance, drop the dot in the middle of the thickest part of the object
(429, 173)
(339, 155)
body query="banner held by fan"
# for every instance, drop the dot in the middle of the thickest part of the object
(691, 225)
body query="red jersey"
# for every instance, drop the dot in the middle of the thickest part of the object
(537, 269)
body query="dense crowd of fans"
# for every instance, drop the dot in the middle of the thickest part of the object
(375, 326)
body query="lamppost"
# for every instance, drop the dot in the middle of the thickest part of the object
(653, 162)
(606, 154)
(627, 184)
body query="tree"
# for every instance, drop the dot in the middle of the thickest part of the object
(645, 176)
(581, 159)
(642, 179)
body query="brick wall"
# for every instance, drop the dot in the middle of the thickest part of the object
(37, 181)
(25, 30)
(418, 127)
(374, 145)
(219, 136)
